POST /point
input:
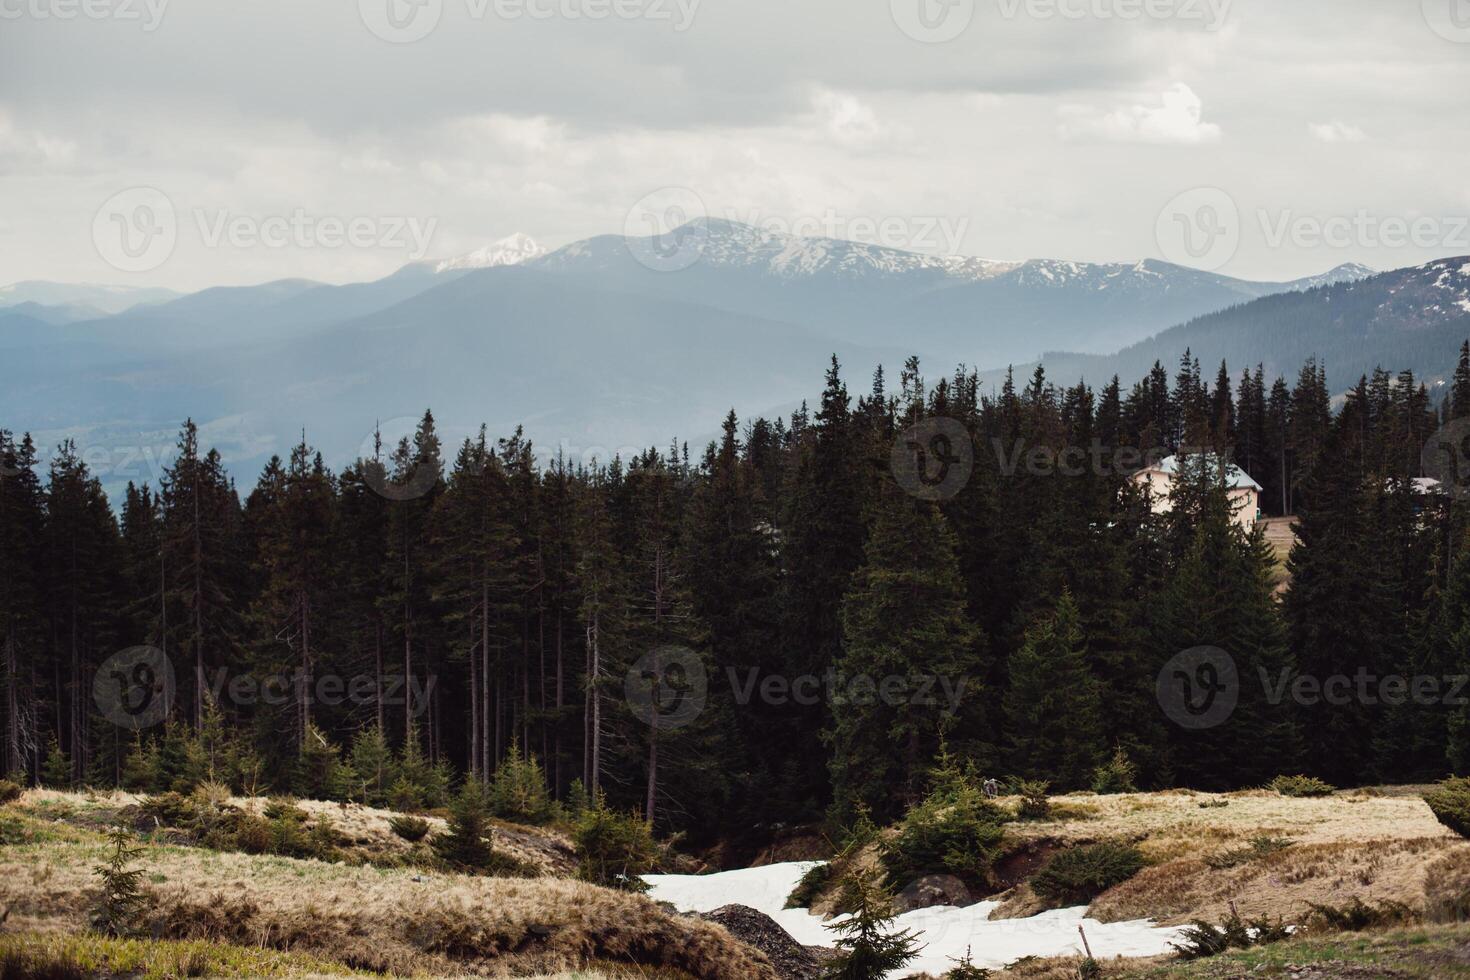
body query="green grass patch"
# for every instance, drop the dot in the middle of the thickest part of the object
(1423, 952)
(31, 956)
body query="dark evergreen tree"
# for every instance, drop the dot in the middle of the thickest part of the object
(202, 566)
(904, 619)
(1053, 708)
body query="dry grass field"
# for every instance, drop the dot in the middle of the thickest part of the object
(1361, 844)
(1436, 952)
(1374, 845)
(363, 831)
(233, 914)
(398, 921)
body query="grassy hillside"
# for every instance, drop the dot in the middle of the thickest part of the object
(1373, 845)
(395, 920)
(376, 909)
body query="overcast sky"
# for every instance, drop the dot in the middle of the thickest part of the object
(1055, 128)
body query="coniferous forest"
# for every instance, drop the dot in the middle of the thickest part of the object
(769, 629)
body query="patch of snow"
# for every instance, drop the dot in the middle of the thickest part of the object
(944, 932)
(514, 250)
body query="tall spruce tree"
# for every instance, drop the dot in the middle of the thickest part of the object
(1053, 708)
(202, 563)
(22, 619)
(84, 564)
(904, 619)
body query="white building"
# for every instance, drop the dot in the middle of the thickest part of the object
(1244, 493)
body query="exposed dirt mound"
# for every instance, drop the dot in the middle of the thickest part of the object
(792, 960)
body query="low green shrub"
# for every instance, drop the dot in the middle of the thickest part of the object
(323, 839)
(518, 789)
(466, 845)
(1450, 803)
(217, 827)
(965, 969)
(10, 791)
(812, 882)
(1253, 850)
(289, 838)
(1300, 786)
(953, 831)
(1357, 915)
(211, 793)
(1200, 939)
(614, 849)
(1078, 875)
(284, 808)
(411, 829)
(1117, 775)
(122, 899)
(169, 809)
(869, 945)
(253, 834)
(1034, 803)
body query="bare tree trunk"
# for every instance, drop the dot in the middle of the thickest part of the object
(13, 762)
(474, 746)
(305, 668)
(74, 723)
(484, 747)
(407, 656)
(652, 773)
(525, 738)
(378, 671)
(198, 613)
(499, 727)
(556, 731)
(594, 674)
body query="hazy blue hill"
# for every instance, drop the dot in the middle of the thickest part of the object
(577, 365)
(1412, 318)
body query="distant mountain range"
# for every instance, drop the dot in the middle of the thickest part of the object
(593, 348)
(1414, 318)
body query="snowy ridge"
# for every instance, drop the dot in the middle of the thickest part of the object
(514, 250)
(1347, 272)
(722, 243)
(1431, 293)
(731, 243)
(944, 932)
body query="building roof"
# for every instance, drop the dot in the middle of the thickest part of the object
(1235, 477)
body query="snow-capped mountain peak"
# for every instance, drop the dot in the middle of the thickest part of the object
(1347, 272)
(514, 250)
(733, 244)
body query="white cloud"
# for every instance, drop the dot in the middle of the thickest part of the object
(23, 149)
(1336, 132)
(847, 118)
(779, 110)
(1174, 118)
